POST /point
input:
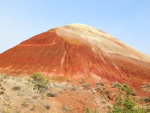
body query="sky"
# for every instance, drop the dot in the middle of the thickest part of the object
(127, 20)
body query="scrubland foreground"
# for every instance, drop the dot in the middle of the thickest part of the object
(39, 94)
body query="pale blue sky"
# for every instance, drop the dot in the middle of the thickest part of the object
(128, 20)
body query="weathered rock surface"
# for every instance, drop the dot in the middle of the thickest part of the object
(78, 51)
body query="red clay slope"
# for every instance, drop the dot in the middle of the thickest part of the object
(80, 51)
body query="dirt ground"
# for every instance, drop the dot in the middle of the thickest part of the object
(18, 95)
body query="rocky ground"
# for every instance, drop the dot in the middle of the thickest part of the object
(18, 95)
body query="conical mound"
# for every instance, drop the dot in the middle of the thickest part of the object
(77, 51)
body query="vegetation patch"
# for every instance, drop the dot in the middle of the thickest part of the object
(125, 103)
(47, 107)
(1, 92)
(88, 110)
(99, 84)
(85, 85)
(146, 86)
(16, 88)
(66, 109)
(116, 85)
(51, 94)
(146, 99)
(24, 104)
(39, 81)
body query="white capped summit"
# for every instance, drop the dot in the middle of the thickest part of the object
(97, 39)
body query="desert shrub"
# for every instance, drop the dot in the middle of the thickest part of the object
(86, 85)
(88, 110)
(51, 94)
(1, 92)
(128, 103)
(127, 89)
(146, 86)
(99, 84)
(66, 109)
(47, 107)
(125, 104)
(40, 83)
(146, 99)
(24, 104)
(116, 85)
(15, 88)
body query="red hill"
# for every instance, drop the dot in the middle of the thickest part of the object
(78, 51)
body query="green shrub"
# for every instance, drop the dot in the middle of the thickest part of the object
(88, 110)
(86, 85)
(127, 89)
(39, 82)
(24, 104)
(116, 85)
(99, 84)
(146, 99)
(126, 104)
(119, 101)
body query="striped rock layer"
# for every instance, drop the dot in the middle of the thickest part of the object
(78, 51)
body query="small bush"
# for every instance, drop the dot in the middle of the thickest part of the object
(99, 84)
(116, 85)
(47, 107)
(146, 99)
(86, 85)
(66, 109)
(16, 88)
(32, 108)
(39, 82)
(127, 89)
(146, 86)
(126, 104)
(24, 104)
(88, 110)
(51, 94)
(1, 92)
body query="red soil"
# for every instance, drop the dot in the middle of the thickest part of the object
(54, 55)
